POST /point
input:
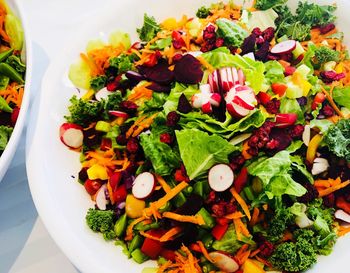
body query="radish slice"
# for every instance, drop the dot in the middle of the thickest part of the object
(239, 101)
(143, 185)
(205, 88)
(101, 198)
(284, 47)
(119, 114)
(215, 99)
(196, 101)
(248, 97)
(102, 94)
(224, 261)
(71, 135)
(250, 55)
(236, 110)
(320, 165)
(220, 177)
(215, 81)
(224, 80)
(230, 79)
(235, 76)
(206, 108)
(241, 77)
(307, 135)
(342, 215)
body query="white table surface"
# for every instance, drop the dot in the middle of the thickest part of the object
(25, 245)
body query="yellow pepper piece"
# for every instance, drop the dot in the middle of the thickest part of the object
(251, 266)
(339, 68)
(169, 24)
(134, 207)
(97, 171)
(88, 95)
(312, 149)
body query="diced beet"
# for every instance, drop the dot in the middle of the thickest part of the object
(284, 140)
(249, 44)
(192, 205)
(188, 70)
(172, 119)
(184, 105)
(128, 107)
(159, 73)
(159, 87)
(134, 76)
(269, 34)
(263, 52)
(327, 28)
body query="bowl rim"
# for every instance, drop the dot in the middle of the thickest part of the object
(11, 146)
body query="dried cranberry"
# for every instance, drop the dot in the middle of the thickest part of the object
(172, 119)
(263, 51)
(328, 111)
(237, 162)
(266, 249)
(327, 28)
(260, 40)
(269, 34)
(114, 84)
(272, 144)
(257, 31)
(132, 145)
(211, 197)
(177, 57)
(329, 200)
(331, 76)
(219, 209)
(166, 138)
(209, 35)
(253, 151)
(296, 131)
(207, 47)
(219, 42)
(121, 140)
(273, 106)
(128, 107)
(284, 139)
(178, 41)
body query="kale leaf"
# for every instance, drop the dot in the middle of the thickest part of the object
(149, 29)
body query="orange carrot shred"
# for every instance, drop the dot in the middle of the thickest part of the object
(332, 189)
(241, 202)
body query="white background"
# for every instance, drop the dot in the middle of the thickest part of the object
(25, 245)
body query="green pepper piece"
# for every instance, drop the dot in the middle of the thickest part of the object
(165, 208)
(120, 225)
(142, 227)
(136, 242)
(249, 193)
(4, 55)
(10, 72)
(4, 105)
(208, 219)
(4, 82)
(138, 256)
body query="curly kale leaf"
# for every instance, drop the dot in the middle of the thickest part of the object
(149, 29)
(315, 15)
(122, 63)
(268, 4)
(338, 139)
(279, 224)
(98, 82)
(324, 55)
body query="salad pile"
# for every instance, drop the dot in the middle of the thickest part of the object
(219, 142)
(12, 71)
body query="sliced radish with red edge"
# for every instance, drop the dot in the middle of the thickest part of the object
(101, 198)
(284, 47)
(224, 261)
(220, 177)
(71, 135)
(230, 79)
(118, 114)
(143, 185)
(102, 94)
(224, 80)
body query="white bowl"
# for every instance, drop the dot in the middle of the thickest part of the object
(61, 201)
(11, 147)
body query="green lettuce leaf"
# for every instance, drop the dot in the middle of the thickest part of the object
(342, 96)
(274, 72)
(322, 124)
(292, 106)
(200, 151)
(232, 32)
(175, 93)
(5, 134)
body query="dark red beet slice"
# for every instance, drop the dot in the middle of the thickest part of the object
(282, 138)
(184, 106)
(263, 52)
(159, 73)
(188, 70)
(159, 87)
(249, 44)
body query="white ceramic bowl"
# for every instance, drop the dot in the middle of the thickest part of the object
(61, 201)
(11, 147)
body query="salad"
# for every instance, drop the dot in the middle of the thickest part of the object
(12, 71)
(220, 142)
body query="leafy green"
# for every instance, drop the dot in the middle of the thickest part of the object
(118, 38)
(342, 96)
(122, 63)
(101, 221)
(322, 124)
(315, 15)
(279, 223)
(14, 30)
(297, 31)
(338, 139)
(232, 33)
(200, 151)
(98, 82)
(149, 29)
(5, 134)
(161, 43)
(291, 106)
(262, 19)
(274, 72)
(113, 100)
(154, 104)
(225, 129)
(16, 63)
(4, 81)
(268, 4)
(230, 243)
(324, 55)
(80, 74)
(175, 93)
(203, 12)
(164, 159)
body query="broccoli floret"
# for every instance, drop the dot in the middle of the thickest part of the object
(279, 224)
(149, 29)
(122, 63)
(83, 112)
(101, 221)
(203, 12)
(324, 55)
(295, 256)
(98, 82)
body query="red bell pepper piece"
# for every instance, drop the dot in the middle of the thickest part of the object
(119, 195)
(289, 70)
(195, 247)
(153, 59)
(342, 204)
(92, 186)
(279, 89)
(150, 247)
(168, 254)
(241, 180)
(114, 180)
(264, 98)
(222, 221)
(319, 98)
(106, 144)
(219, 231)
(178, 41)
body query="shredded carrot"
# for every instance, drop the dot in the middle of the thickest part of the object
(170, 234)
(241, 202)
(243, 254)
(322, 184)
(129, 229)
(149, 236)
(235, 215)
(343, 231)
(243, 228)
(245, 149)
(13, 94)
(162, 201)
(163, 183)
(331, 101)
(255, 217)
(204, 251)
(205, 64)
(194, 219)
(139, 92)
(93, 68)
(288, 236)
(254, 253)
(265, 262)
(332, 189)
